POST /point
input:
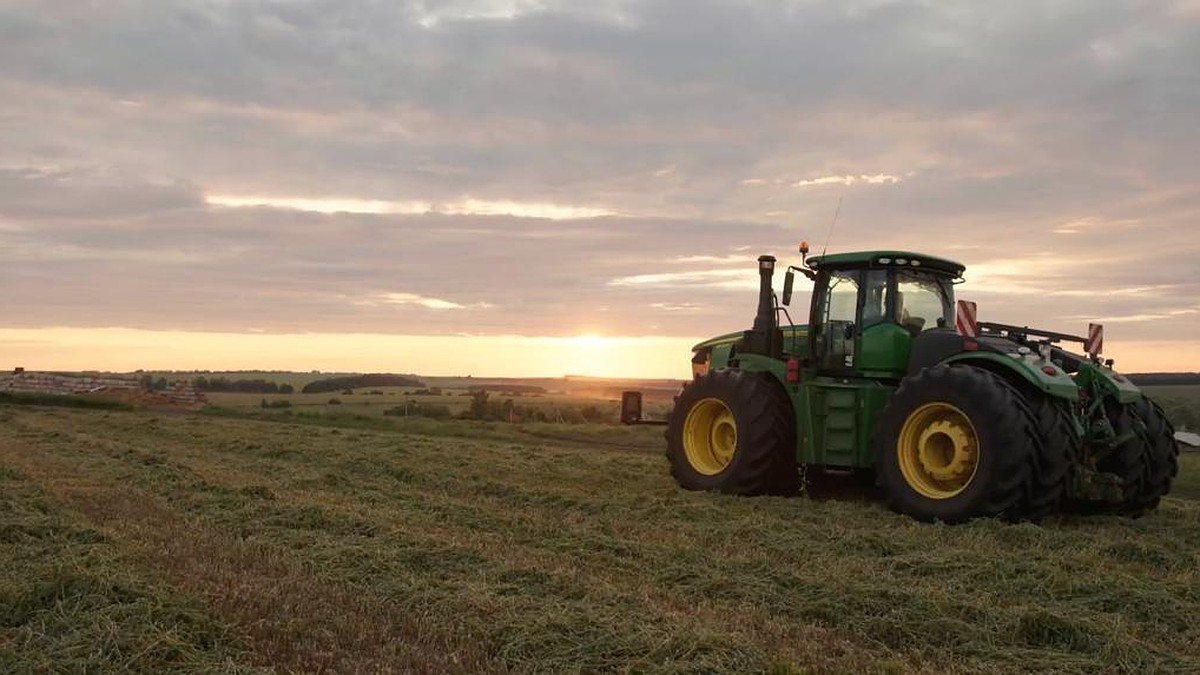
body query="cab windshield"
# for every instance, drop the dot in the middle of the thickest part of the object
(922, 301)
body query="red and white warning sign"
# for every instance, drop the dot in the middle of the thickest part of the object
(964, 319)
(1095, 340)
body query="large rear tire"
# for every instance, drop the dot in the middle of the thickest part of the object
(1161, 455)
(954, 443)
(1050, 467)
(734, 432)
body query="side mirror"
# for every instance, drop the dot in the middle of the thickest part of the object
(788, 281)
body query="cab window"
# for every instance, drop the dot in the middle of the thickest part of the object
(874, 298)
(842, 301)
(922, 302)
(835, 318)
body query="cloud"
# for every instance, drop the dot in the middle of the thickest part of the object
(465, 206)
(610, 167)
(1077, 225)
(875, 179)
(93, 192)
(486, 207)
(717, 278)
(414, 299)
(322, 204)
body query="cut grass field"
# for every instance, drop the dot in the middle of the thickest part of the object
(133, 541)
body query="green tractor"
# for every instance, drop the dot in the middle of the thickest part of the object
(893, 380)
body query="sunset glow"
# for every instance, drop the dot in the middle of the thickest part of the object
(123, 349)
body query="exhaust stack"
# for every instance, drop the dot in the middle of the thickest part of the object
(765, 337)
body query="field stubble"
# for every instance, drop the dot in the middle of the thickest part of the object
(145, 542)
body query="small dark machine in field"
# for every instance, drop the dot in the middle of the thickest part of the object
(893, 380)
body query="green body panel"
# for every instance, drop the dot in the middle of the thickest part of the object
(756, 363)
(838, 420)
(834, 415)
(1106, 382)
(1059, 385)
(1123, 389)
(884, 348)
(720, 355)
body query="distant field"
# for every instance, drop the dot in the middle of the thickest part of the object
(1181, 403)
(560, 398)
(560, 384)
(362, 402)
(563, 400)
(144, 542)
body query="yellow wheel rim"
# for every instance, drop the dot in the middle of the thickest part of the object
(938, 450)
(709, 436)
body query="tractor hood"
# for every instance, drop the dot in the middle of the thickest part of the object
(715, 353)
(790, 334)
(726, 339)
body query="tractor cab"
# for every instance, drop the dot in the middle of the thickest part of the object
(868, 308)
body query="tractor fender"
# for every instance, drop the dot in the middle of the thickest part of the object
(1109, 382)
(758, 363)
(1032, 370)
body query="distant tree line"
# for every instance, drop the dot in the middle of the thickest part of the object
(356, 381)
(1160, 379)
(225, 385)
(509, 389)
(148, 381)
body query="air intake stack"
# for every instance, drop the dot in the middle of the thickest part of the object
(765, 337)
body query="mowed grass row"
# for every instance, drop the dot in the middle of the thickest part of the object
(315, 547)
(71, 601)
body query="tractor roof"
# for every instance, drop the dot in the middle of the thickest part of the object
(884, 260)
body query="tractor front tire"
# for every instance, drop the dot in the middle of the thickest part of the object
(734, 432)
(955, 443)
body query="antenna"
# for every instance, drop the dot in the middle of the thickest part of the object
(829, 236)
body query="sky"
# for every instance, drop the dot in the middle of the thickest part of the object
(528, 187)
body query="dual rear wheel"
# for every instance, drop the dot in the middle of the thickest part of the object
(1142, 465)
(958, 442)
